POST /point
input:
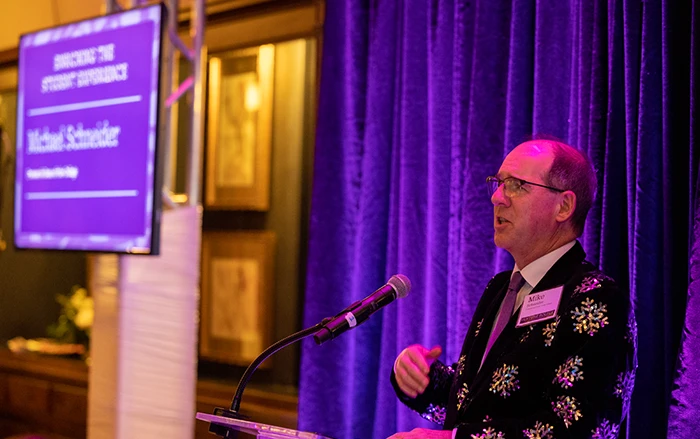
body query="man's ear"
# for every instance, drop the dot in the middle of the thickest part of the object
(567, 206)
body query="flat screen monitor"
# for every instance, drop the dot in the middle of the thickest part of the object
(88, 174)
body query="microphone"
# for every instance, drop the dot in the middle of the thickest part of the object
(397, 286)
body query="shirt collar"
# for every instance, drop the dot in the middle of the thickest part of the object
(535, 270)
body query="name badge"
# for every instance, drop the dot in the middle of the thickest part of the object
(539, 306)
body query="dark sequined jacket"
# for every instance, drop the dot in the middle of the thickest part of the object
(568, 377)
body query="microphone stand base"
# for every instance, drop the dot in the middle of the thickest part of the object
(222, 431)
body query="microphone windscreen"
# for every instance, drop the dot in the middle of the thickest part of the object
(401, 284)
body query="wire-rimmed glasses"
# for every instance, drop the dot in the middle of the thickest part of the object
(512, 185)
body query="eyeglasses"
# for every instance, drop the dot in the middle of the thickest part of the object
(512, 186)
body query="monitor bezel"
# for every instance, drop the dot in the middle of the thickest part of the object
(156, 202)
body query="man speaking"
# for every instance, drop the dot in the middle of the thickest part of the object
(551, 350)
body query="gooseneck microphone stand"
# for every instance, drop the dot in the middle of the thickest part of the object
(329, 328)
(233, 412)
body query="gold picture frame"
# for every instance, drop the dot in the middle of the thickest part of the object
(236, 300)
(240, 129)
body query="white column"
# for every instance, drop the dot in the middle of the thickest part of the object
(144, 356)
(102, 388)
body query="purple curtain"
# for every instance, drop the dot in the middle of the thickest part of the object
(684, 420)
(420, 101)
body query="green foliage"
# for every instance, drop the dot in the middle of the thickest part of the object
(75, 321)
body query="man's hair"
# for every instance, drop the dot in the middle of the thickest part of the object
(572, 171)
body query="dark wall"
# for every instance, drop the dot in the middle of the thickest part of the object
(29, 280)
(290, 168)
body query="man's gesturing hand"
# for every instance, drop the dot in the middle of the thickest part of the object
(412, 367)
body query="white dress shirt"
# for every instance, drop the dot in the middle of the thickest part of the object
(535, 271)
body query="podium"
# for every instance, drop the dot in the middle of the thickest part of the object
(261, 431)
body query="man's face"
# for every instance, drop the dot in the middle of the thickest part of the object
(524, 222)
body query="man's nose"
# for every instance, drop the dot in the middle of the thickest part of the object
(499, 196)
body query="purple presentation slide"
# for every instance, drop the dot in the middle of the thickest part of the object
(87, 125)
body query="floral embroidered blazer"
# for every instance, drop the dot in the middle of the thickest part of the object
(568, 377)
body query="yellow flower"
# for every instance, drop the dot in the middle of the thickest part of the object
(86, 314)
(78, 297)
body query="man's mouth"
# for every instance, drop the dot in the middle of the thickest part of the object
(501, 220)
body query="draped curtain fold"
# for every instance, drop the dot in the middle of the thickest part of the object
(420, 101)
(684, 419)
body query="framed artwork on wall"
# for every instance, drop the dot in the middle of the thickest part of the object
(239, 129)
(236, 298)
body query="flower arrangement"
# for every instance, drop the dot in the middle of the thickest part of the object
(75, 322)
(70, 335)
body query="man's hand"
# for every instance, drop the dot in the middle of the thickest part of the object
(412, 367)
(423, 433)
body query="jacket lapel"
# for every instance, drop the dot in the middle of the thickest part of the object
(562, 270)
